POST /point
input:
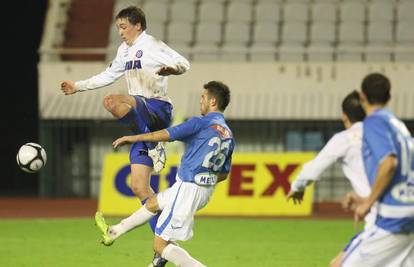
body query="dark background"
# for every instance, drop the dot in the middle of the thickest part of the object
(21, 37)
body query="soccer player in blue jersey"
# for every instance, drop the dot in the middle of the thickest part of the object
(388, 153)
(206, 161)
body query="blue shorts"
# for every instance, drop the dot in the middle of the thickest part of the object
(153, 115)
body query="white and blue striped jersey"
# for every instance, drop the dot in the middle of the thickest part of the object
(383, 135)
(140, 62)
(209, 148)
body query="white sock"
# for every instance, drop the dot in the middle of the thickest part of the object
(179, 257)
(138, 218)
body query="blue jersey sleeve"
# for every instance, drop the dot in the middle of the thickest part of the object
(227, 164)
(378, 136)
(185, 129)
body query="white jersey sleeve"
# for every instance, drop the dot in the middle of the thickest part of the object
(107, 77)
(168, 57)
(335, 149)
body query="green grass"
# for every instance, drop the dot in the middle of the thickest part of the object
(216, 242)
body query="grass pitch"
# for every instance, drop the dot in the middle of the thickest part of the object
(216, 243)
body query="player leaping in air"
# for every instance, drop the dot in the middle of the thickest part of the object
(146, 62)
(206, 161)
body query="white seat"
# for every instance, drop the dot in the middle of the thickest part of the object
(267, 11)
(294, 39)
(380, 33)
(352, 11)
(156, 29)
(156, 11)
(324, 12)
(322, 33)
(351, 41)
(183, 11)
(294, 32)
(351, 33)
(381, 11)
(295, 12)
(380, 42)
(262, 52)
(207, 41)
(235, 41)
(239, 11)
(405, 11)
(266, 33)
(180, 32)
(211, 12)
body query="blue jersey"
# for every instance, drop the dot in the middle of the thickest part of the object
(209, 147)
(383, 135)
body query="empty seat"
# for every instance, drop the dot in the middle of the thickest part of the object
(265, 33)
(267, 11)
(207, 41)
(404, 50)
(235, 41)
(156, 11)
(405, 33)
(351, 33)
(405, 11)
(239, 11)
(295, 12)
(381, 11)
(211, 12)
(264, 41)
(324, 12)
(322, 40)
(156, 29)
(351, 40)
(183, 11)
(294, 39)
(380, 33)
(180, 32)
(352, 11)
(379, 41)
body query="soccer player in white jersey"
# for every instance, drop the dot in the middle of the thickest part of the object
(206, 161)
(146, 62)
(388, 154)
(345, 147)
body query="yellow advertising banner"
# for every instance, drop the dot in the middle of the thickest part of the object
(257, 185)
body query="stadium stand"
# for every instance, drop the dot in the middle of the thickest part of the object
(280, 30)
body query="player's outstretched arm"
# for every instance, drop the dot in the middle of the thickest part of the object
(158, 136)
(166, 70)
(68, 87)
(296, 196)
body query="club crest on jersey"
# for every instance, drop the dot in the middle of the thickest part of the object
(139, 54)
(224, 133)
(133, 64)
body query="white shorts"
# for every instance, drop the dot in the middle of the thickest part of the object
(375, 247)
(179, 203)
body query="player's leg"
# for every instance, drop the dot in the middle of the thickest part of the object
(174, 254)
(377, 247)
(122, 108)
(141, 168)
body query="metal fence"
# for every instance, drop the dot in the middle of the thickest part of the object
(76, 149)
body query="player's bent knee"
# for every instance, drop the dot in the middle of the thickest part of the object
(108, 103)
(152, 204)
(140, 192)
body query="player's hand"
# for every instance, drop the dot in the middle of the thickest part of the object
(297, 197)
(165, 71)
(351, 201)
(123, 140)
(362, 210)
(68, 87)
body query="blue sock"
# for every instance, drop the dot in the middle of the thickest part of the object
(154, 220)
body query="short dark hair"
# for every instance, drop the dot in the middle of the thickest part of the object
(376, 88)
(220, 91)
(134, 15)
(351, 106)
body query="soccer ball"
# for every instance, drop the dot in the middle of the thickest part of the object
(31, 157)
